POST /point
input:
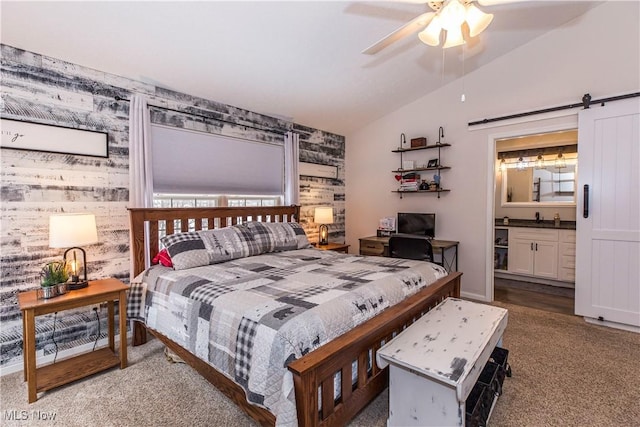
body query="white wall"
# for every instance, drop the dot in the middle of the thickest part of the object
(598, 53)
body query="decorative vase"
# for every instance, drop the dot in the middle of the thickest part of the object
(61, 288)
(49, 291)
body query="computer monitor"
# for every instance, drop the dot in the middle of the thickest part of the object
(421, 224)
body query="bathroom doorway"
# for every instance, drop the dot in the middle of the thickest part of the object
(534, 208)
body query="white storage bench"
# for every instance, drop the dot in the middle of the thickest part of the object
(435, 363)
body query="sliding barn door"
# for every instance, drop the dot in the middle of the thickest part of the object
(608, 217)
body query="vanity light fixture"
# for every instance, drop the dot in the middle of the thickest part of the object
(540, 162)
(521, 165)
(503, 165)
(560, 161)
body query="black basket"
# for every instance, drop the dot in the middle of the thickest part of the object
(490, 377)
(500, 356)
(475, 407)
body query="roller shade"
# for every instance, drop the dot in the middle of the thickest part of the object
(186, 161)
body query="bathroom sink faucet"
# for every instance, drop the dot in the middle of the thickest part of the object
(537, 217)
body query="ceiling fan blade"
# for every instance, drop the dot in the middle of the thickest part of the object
(410, 27)
(496, 2)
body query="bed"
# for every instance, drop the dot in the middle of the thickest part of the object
(315, 374)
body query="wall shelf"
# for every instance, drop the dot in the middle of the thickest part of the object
(412, 181)
(424, 147)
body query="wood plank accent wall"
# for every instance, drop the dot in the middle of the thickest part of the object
(35, 185)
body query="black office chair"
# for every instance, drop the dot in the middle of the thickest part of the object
(411, 247)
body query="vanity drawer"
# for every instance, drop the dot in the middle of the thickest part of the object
(567, 236)
(533, 234)
(368, 247)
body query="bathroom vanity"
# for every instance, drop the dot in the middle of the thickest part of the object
(531, 249)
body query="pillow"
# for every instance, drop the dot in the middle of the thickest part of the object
(186, 250)
(162, 258)
(198, 248)
(279, 236)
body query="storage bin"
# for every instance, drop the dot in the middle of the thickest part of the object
(475, 407)
(500, 356)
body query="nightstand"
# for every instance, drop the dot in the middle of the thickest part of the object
(336, 247)
(71, 369)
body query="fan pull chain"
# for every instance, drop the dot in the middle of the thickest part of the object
(463, 97)
(442, 76)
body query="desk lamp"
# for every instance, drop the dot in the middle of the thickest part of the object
(72, 231)
(323, 215)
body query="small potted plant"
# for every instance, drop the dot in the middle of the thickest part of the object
(53, 278)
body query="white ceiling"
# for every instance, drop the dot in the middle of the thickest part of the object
(298, 60)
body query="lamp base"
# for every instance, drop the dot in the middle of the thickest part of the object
(323, 235)
(72, 286)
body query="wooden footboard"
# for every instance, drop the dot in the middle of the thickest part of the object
(317, 369)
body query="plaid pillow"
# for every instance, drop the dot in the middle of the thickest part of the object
(187, 250)
(225, 244)
(198, 248)
(279, 236)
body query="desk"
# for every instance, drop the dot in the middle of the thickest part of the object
(446, 249)
(435, 362)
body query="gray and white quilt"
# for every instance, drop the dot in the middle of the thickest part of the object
(249, 317)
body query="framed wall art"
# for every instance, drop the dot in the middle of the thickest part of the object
(22, 135)
(314, 169)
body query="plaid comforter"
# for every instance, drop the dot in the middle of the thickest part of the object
(250, 317)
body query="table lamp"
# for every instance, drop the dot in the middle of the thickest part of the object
(323, 216)
(72, 231)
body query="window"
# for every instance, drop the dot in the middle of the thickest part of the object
(189, 162)
(203, 200)
(163, 200)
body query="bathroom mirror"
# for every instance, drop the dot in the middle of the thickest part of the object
(538, 170)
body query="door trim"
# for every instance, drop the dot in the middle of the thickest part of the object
(511, 130)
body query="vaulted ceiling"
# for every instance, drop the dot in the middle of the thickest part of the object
(298, 60)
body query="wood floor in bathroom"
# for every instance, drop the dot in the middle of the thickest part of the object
(542, 297)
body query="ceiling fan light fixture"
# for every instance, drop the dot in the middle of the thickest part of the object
(477, 20)
(452, 15)
(431, 34)
(454, 38)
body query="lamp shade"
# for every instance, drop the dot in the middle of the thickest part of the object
(454, 38)
(68, 230)
(431, 34)
(477, 20)
(323, 215)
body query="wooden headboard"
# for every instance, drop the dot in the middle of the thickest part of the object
(176, 220)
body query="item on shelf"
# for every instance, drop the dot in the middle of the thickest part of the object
(408, 177)
(418, 142)
(423, 185)
(409, 186)
(408, 164)
(433, 163)
(403, 141)
(440, 135)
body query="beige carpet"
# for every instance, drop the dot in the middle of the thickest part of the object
(565, 373)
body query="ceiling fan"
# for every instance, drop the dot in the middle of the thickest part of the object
(448, 15)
